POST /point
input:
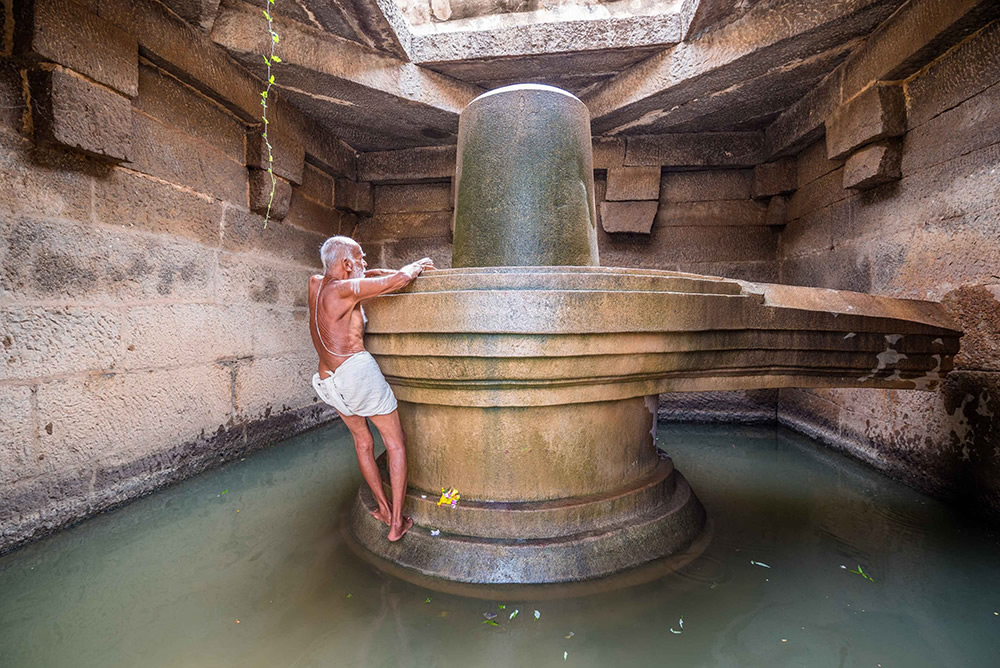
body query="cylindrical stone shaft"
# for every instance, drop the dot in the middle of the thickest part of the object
(525, 180)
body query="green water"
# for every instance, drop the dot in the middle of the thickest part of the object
(162, 581)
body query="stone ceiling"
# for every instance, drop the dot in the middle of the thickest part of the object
(392, 74)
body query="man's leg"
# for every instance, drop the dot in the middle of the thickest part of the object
(364, 446)
(395, 447)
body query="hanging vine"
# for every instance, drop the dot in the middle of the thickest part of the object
(270, 59)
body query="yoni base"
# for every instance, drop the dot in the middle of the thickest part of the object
(556, 541)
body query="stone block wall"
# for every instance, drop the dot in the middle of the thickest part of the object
(409, 221)
(932, 232)
(705, 220)
(702, 221)
(151, 325)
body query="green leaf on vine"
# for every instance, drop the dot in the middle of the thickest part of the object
(266, 15)
(276, 59)
(270, 79)
(274, 36)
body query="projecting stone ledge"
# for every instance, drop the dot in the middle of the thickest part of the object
(71, 111)
(873, 165)
(877, 113)
(628, 184)
(634, 217)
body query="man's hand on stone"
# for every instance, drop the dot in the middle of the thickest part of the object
(416, 268)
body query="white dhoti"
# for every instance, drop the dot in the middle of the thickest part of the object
(356, 387)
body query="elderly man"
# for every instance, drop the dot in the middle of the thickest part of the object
(349, 378)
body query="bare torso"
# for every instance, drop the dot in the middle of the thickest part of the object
(336, 324)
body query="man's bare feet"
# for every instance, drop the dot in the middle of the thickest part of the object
(383, 515)
(395, 533)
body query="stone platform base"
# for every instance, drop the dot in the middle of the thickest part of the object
(567, 540)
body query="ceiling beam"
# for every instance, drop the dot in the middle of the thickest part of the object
(765, 38)
(385, 101)
(897, 49)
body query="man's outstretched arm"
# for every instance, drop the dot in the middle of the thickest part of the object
(360, 289)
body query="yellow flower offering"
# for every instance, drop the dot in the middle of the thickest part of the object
(449, 497)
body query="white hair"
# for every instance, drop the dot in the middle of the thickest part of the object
(336, 249)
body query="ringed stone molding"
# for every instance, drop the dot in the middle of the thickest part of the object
(589, 334)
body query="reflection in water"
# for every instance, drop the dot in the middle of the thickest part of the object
(163, 581)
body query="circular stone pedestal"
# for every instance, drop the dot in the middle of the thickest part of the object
(534, 542)
(544, 423)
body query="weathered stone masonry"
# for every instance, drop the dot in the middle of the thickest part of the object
(150, 325)
(934, 234)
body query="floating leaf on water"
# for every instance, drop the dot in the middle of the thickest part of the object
(490, 615)
(860, 572)
(681, 623)
(514, 614)
(537, 614)
(569, 635)
(501, 606)
(758, 563)
(674, 632)
(349, 596)
(427, 600)
(225, 491)
(490, 622)
(565, 654)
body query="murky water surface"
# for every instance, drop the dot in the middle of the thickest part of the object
(244, 566)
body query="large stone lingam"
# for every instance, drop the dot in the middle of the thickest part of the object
(533, 389)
